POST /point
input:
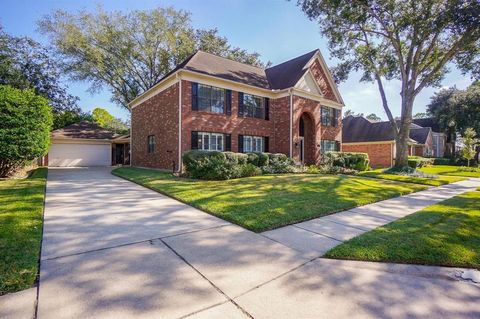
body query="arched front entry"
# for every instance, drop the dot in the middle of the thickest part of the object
(306, 133)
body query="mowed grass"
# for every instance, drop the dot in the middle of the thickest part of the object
(446, 234)
(448, 170)
(265, 202)
(21, 203)
(434, 181)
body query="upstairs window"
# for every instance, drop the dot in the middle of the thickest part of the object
(211, 99)
(252, 106)
(151, 144)
(253, 144)
(329, 116)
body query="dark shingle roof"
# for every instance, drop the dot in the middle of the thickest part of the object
(84, 129)
(429, 122)
(287, 74)
(420, 135)
(359, 129)
(281, 76)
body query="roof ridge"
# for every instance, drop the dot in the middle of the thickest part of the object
(221, 57)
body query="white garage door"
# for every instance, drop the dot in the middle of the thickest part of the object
(68, 155)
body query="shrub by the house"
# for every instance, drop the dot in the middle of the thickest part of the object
(26, 120)
(419, 162)
(348, 160)
(227, 165)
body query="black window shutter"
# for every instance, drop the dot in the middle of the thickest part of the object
(194, 140)
(240, 143)
(194, 96)
(240, 104)
(337, 146)
(267, 108)
(228, 142)
(228, 102)
(266, 144)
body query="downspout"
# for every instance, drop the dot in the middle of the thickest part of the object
(130, 149)
(179, 123)
(291, 123)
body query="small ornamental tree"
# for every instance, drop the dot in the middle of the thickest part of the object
(25, 124)
(469, 141)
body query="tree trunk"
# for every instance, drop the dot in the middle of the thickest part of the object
(403, 135)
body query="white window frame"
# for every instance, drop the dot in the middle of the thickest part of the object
(253, 143)
(214, 139)
(330, 143)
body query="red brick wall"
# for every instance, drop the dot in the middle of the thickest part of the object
(322, 80)
(380, 154)
(222, 123)
(281, 124)
(157, 116)
(318, 132)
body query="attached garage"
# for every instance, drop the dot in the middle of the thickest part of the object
(87, 144)
(79, 154)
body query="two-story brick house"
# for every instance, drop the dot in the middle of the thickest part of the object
(212, 103)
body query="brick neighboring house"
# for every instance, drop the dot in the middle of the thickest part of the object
(443, 140)
(212, 103)
(376, 138)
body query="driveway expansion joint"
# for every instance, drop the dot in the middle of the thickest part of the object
(208, 280)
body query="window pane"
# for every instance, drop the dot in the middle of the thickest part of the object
(210, 99)
(219, 142)
(206, 144)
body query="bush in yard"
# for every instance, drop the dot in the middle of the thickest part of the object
(419, 162)
(248, 170)
(349, 160)
(26, 120)
(258, 159)
(236, 158)
(442, 161)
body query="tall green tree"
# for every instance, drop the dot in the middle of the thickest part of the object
(103, 118)
(413, 41)
(25, 64)
(26, 120)
(457, 109)
(469, 142)
(130, 52)
(373, 117)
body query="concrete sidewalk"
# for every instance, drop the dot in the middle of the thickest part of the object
(315, 237)
(113, 249)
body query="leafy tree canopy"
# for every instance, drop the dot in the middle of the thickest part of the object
(131, 52)
(420, 115)
(412, 41)
(65, 118)
(457, 109)
(103, 118)
(373, 117)
(352, 113)
(25, 64)
(24, 128)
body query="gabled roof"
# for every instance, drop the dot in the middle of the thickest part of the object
(287, 74)
(85, 129)
(429, 122)
(357, 129)
(281, 76)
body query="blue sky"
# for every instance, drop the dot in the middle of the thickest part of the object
(276, 29)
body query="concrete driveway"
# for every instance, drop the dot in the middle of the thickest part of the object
(113, 249)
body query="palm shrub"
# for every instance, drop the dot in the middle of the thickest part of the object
(26, 120)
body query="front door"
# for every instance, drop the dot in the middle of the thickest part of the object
(119, 154)
(302, 149)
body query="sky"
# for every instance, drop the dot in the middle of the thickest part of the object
(277, 29)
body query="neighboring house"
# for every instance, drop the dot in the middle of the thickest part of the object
(443, 140)
(376, 138)
(87, 144)
(212, 103)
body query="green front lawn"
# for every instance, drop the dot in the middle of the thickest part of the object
(449, 171)
(265, 202)
(436, 181)
(445, 234)
(21, 203)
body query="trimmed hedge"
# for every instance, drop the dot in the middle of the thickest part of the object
(350, 160)
(227, 165)
(418, 162)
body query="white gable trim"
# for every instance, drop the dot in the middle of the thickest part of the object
(305, 79)
(330, 80)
